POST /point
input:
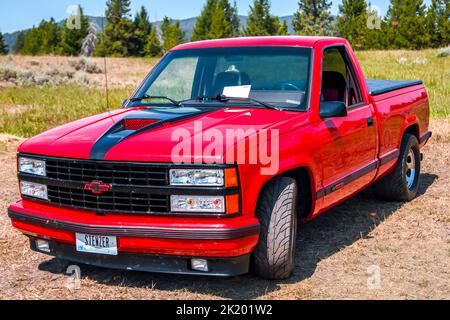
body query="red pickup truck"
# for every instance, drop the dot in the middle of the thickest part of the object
(217, 156)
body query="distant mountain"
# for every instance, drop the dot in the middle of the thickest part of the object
(11, 38)
(186, 24)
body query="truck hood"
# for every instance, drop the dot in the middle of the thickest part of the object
(150, 134)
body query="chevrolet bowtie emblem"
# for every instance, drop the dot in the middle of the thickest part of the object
(97, 187)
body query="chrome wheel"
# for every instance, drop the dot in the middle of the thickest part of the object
(410, 169)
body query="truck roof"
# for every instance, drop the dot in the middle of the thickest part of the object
(288, 41)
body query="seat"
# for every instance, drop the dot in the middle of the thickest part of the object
(333, 86)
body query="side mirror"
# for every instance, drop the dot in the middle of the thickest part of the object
(331, 109)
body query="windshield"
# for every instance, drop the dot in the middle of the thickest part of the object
(275, 75)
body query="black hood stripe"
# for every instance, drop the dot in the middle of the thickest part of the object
(117, 133)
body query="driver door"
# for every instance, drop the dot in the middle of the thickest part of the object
(349, 143)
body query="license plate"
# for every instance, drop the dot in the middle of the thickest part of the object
(96, 244)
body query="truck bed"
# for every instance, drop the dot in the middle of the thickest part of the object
(377, 87)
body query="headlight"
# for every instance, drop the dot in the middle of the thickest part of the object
(197, 204)
(195, 177)
(32, 166)
(34, 190)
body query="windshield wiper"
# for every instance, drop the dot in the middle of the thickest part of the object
(148, 97)
(222, 98)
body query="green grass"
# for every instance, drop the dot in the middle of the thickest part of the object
(28, 111)
(434, 71)
(43, 108)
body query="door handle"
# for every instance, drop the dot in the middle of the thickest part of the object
(370, 122)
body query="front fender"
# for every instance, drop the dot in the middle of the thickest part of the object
(297, 149)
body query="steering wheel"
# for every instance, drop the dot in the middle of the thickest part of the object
(286, 86)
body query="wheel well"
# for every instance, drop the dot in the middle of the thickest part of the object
(304, 182)
(414, 130)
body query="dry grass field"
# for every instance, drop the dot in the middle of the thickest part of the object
(408, 243)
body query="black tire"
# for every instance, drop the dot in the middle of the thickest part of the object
(394, 187)
(275, 253)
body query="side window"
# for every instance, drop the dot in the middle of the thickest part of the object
(338, 78)
(176, 80)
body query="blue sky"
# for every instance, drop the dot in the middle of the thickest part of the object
(22, 14)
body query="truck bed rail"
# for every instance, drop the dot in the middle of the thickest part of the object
(377, 87)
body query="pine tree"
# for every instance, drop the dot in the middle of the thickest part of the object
(153, 45)
(283, 29)
(260, 21)
(117, 10)
(50, 32)
(116, 39)
(171, 33)
(352, 21)
(32, 42)
(438, 22)
(44, 39)
(203, 23)
(313, 18)
(141, 30)
(444, 23)
(74, 31)
(218, 19)
(141, 21)
(3, 46)
(231, 16)
(220, 26)
(407, 26)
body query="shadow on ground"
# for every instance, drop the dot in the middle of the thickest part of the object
(318, 240)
